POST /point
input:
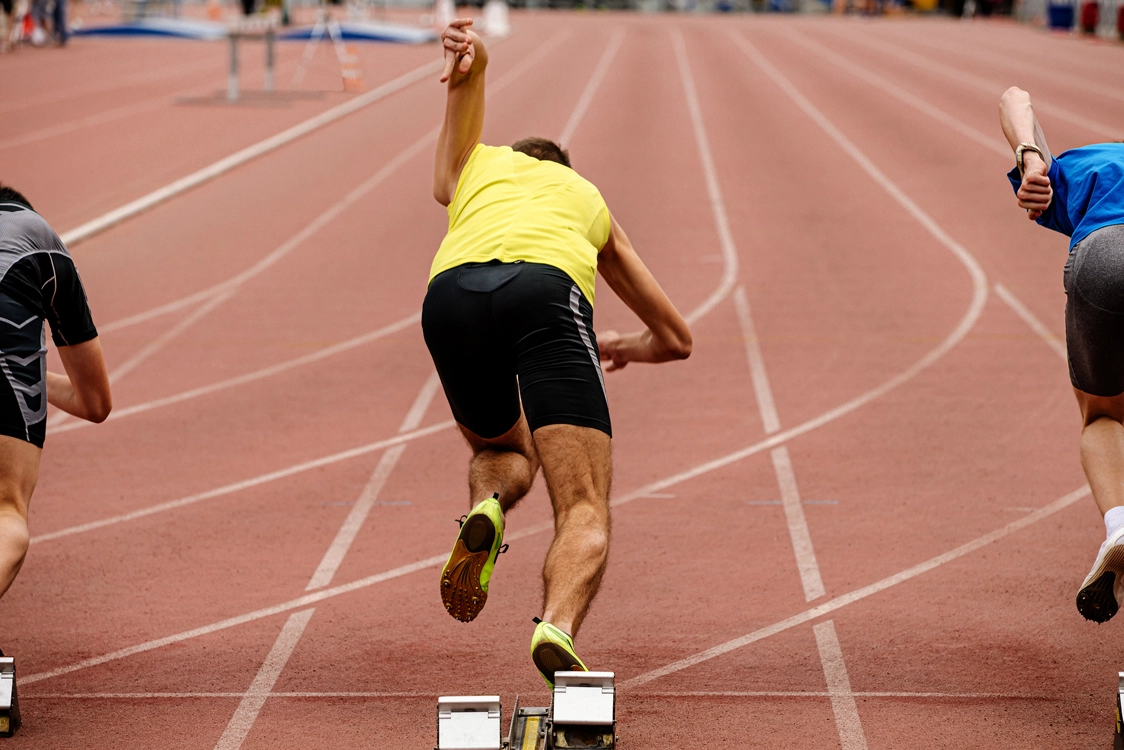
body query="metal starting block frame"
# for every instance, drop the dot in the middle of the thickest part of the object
(1118, 742)
(582, 714)
(9, 700)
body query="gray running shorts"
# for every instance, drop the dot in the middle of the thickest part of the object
(1094, 312)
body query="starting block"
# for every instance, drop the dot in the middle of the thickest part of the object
(1118, 743)
(9, 701)
(582, 714)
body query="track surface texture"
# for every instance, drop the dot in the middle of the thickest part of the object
(853, 518)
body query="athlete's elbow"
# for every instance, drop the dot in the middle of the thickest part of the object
(98, 411)
(681, 345)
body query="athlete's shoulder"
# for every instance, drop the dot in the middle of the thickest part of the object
(21, 226)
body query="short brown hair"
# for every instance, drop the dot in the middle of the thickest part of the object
(8, 193)
(542, 149)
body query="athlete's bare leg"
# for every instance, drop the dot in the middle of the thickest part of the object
(19, 470)
(506, 464)
(1102, 447)
(577, 465)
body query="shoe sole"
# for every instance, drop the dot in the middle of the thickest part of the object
(550, 658)
(461, 591)
(1096, 601)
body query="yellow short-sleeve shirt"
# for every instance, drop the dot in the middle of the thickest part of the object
(510, 206)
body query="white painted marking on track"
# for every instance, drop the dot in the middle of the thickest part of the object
(591, 88)
(129, 210)
(841, 62)
(339, 547)
(1035, 324)
(251, 705)
(245, 483)
(713, 188)
(761, 388)
(847, 721)
(654, 694)
(250, 377)
(797, 525)
(839, 602)
(996, 89)
(780, 627)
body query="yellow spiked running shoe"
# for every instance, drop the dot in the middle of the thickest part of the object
(553, 651)
(464, 580)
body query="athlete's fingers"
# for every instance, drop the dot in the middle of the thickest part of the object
(460, 23)
(450, 61)
(1033, 215)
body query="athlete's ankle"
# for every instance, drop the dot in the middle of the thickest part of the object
(1114, 520)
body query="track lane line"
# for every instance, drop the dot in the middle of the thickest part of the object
(265, 372)
(843, 705)
(857, 595)
(798, 530)
(254, 699)
(591, 87)
(245, 483)
(932, 66)
(1036, 325)
(224, 165)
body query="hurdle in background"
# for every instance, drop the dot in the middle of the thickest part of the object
(263, 29)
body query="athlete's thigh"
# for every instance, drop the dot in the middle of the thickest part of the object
(577, 464)
(473, 360)
(1094, 313)
(19, 472)
(560, 378)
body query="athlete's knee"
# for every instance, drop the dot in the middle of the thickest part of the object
(14, 536)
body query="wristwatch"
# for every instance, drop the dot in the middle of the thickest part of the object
(1022, 149)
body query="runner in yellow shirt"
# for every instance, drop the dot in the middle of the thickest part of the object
(508, 319)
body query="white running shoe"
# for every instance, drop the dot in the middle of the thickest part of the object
(1103, 589)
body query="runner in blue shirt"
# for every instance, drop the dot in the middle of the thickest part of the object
(1080, 193)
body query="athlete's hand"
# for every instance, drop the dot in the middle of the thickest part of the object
(1036, 192)
(459, 47)
(611, 348)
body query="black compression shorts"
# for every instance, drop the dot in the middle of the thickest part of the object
(501, 331)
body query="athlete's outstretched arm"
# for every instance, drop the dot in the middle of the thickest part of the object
(465, 60)
(84, 390)
(1016, 115)
(667, 337)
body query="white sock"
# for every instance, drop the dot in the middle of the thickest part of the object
(1113, 520)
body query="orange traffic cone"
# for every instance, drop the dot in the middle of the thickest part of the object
(349, 66)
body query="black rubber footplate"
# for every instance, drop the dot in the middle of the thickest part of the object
(1097, 601)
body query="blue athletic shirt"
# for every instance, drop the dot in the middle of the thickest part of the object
(1088, 187)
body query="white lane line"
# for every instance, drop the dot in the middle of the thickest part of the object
(847, 721)
(821, 694)
(654, 694)
(934, 67)
(591, 88)
(797, 525)
(713, 189)
(245, 484)
(265, 372)
(333, 558)
(129, 210)
(1019, 67)
(1035, 324)
(844, 600)
(791, 622)
(251, 705)
(841, 62)
(798, 531)
(761, 388)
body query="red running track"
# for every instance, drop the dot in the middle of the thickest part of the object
(853, 518)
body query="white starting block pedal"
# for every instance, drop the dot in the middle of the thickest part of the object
(469, 722)
(1118, 743)
(582, 715)
(583, 711)
(9, 701)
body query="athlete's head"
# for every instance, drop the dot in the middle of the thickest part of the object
(11, 195)
(542, 149)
